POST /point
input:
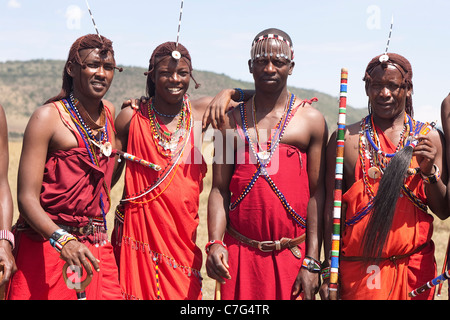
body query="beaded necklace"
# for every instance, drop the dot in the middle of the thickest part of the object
(264, 154)
(168, 143)
(378, 158)
(70, 105)
(174, 158)
(411, 128)
(261, 167)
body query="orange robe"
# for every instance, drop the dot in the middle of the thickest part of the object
(411, 229)
(158, 256)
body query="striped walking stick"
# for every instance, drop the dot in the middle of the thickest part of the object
(430, 284)
(339, 173)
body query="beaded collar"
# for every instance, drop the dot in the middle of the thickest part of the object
(169, 143)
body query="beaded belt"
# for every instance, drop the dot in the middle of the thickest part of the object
(269, 246)
(95, 224)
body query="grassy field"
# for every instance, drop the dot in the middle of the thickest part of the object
(440, 237)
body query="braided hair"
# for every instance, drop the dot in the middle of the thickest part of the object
(90, 41)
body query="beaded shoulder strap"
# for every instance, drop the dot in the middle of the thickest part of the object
(261, 166)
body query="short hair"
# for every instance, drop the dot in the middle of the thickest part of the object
(259, 44)
(89, 41)
(403, 65)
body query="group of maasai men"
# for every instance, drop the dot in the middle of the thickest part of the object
(270, 208)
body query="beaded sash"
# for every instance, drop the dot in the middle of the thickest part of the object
(262, 163)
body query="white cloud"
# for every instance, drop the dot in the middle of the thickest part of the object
(14, 4)
(73, 17)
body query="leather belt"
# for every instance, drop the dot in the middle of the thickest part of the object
(393, 258)
(93, 225)
(269, 246)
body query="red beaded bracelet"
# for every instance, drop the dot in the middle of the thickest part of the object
(210, 243)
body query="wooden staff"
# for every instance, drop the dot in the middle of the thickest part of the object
(2, 288)
(430, 284)
(217, 292)
(339, 174)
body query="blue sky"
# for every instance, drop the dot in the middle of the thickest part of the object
(327, 36)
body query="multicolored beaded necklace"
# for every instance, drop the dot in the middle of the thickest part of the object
(262, 163)
(167, 143)
(186, 125)
(379, 159)
(90, 141)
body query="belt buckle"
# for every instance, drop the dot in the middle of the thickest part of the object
(261, 243)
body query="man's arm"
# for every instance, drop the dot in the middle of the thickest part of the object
(39, 134)
(122, 125)
(215, 111)
(316, 176)
(218, 203)
(6, 204)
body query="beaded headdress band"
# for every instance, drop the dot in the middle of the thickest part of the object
(260, 47)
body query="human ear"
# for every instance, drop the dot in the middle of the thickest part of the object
(291, 67)
(250, 66)
(70, 68)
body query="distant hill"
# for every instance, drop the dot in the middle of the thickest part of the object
(25, 85)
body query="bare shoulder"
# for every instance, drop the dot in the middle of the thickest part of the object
(123, 119)
(310, 113)
(110, 106)
(199, 106)
(309, 117)
(45, 114)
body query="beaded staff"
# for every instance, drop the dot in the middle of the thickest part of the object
(430, 284)
(143, 162)
(340, 139)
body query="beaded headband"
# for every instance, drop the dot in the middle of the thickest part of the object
(260, 47)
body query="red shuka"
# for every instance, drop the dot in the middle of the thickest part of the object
(70, 195)
(257, 275)
(411, 229)
(159, 258)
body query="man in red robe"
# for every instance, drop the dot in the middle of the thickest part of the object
(265, 203)
(404, 260)
(156, 223)
(64, 181)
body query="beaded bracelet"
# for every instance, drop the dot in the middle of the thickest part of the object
(241, 94)
(311, 264)
(431, 179)
(7, 235)
(59, 239)
(325, 273)
(210, 243)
